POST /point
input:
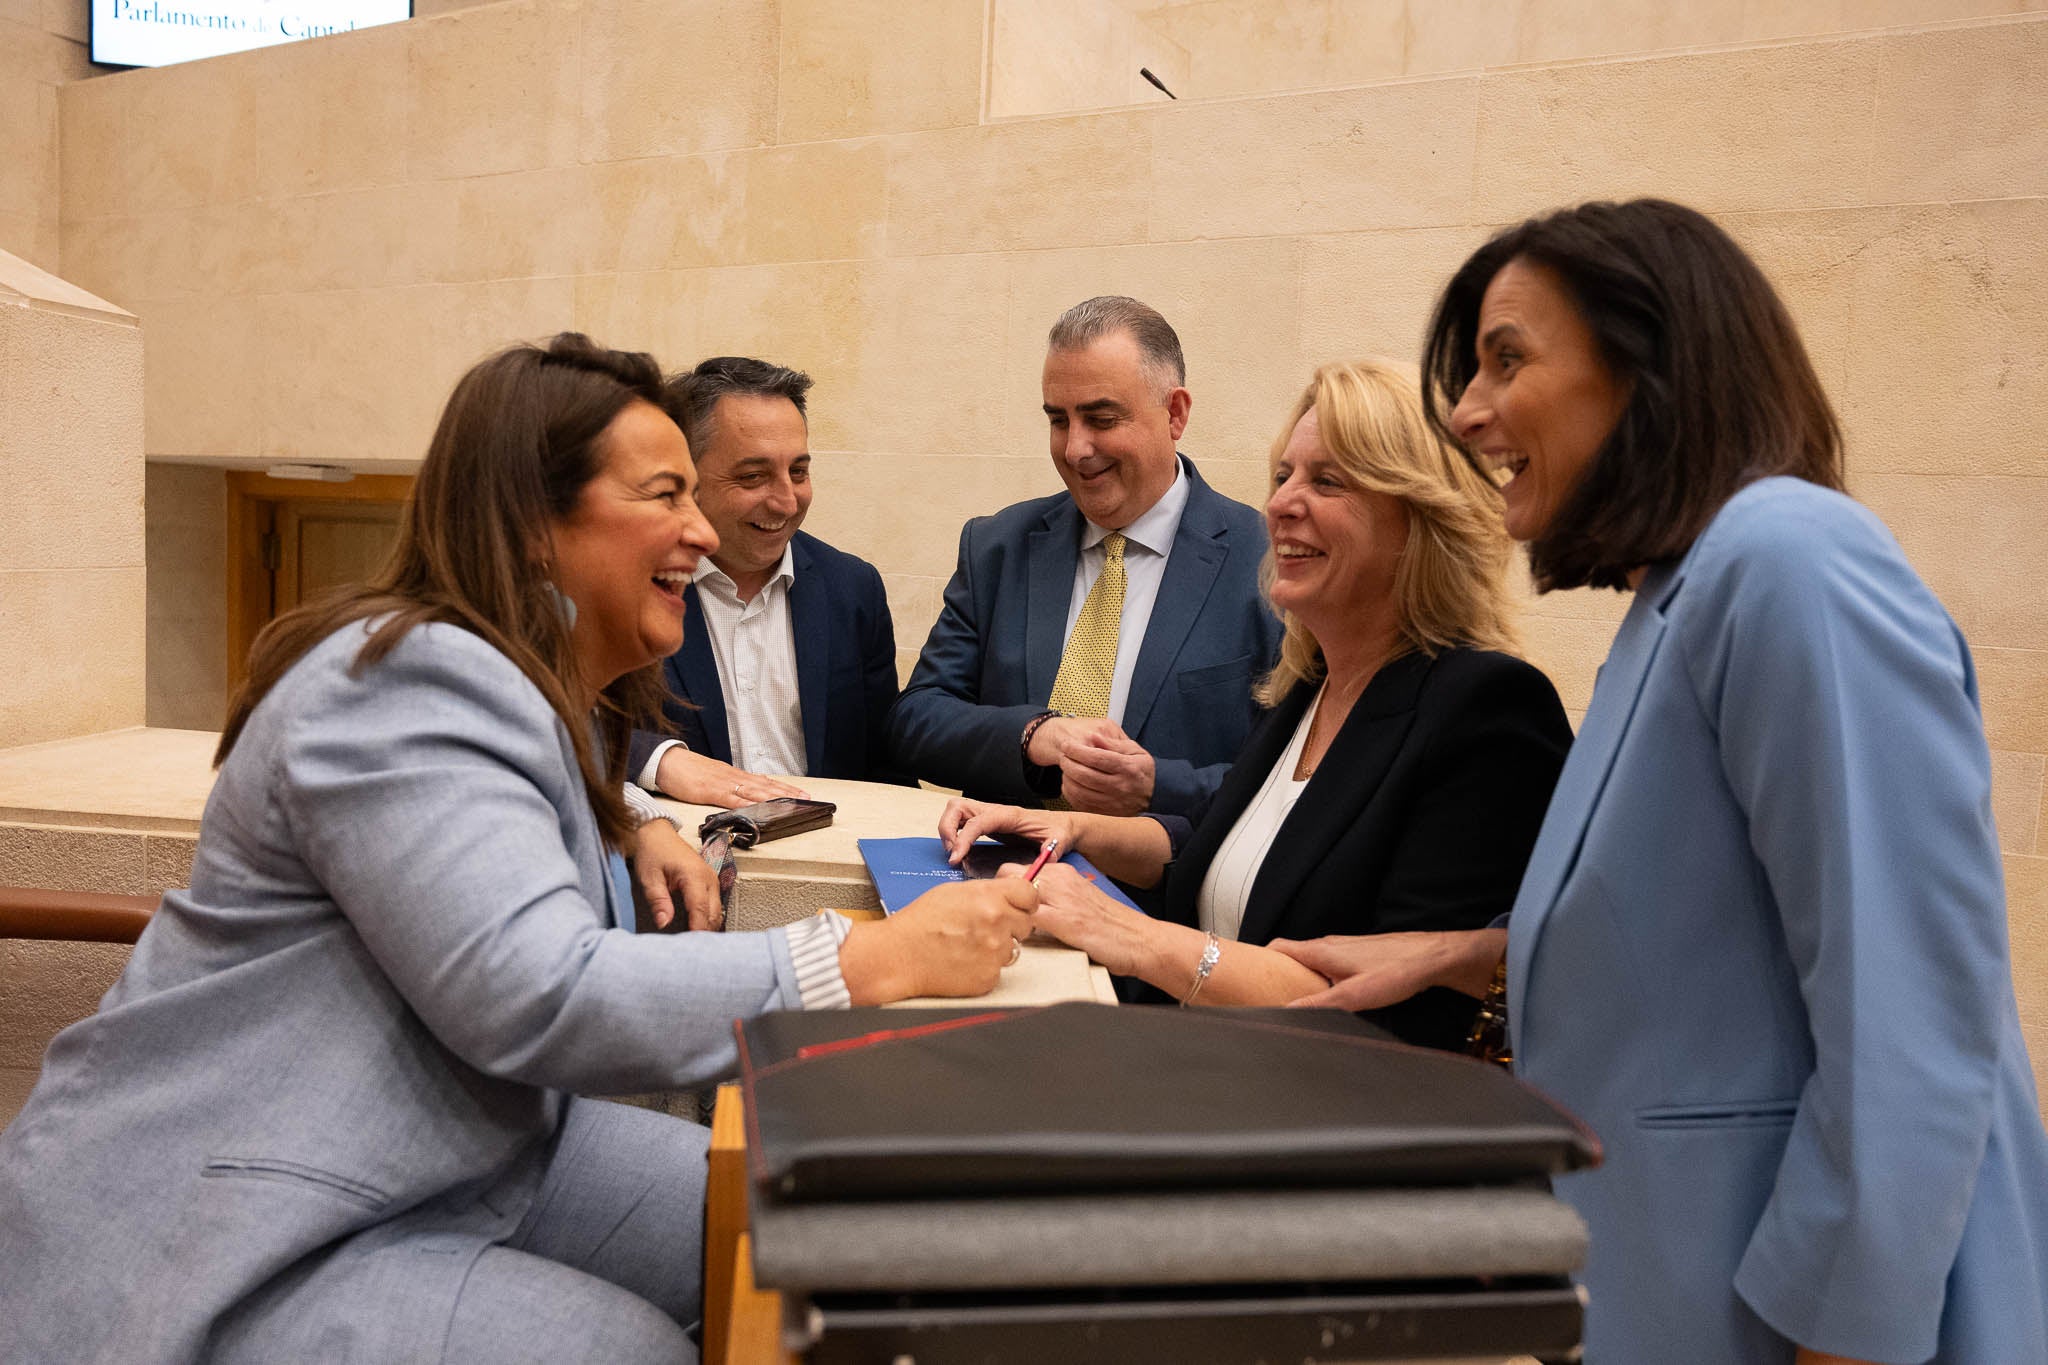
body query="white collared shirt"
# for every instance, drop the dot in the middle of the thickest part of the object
(1147, 542)
(754, 645)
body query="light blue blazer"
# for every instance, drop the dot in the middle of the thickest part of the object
(1761, 949)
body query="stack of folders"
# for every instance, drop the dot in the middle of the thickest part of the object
(1080, 1183)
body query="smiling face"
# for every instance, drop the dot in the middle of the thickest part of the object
(1542, 401)
(1113, 428)
(756, 469)
(626, 550)
(1335, 546)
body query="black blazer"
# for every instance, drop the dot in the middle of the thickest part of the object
(1421, 815)
(845, 670)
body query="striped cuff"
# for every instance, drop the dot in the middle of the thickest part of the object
(814, 948)
(644, 810)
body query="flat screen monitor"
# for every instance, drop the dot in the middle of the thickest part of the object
(159, 32)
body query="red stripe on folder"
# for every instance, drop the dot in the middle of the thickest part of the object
(890, 1035)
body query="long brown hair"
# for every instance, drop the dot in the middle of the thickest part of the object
(519, 439)
(1450, 587)
(1721, 392)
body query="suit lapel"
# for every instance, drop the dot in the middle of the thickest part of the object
(695, 676)
(1198, 555)
(1615, 693)
(1050, 553)
(810, 621)
(1343, 785)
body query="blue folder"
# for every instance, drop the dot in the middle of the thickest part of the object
(904, 869)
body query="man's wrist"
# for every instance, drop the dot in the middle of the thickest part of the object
(1031, 729)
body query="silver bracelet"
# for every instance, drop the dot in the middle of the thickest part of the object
(1210, 953)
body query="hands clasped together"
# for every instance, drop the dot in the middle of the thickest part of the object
(1102, 769)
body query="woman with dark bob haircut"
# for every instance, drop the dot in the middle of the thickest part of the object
(333, 1108)
(1761, 943)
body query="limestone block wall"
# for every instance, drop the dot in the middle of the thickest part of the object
(71, 549)
(43, 44)
(318, 239)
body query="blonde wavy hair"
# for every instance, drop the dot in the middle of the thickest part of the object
(1450, 586)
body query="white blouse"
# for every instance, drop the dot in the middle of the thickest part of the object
(1220, 905)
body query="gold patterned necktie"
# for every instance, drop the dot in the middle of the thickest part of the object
(1088, 665)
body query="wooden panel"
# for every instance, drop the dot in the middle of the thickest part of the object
(325, 545)
(725, 1216)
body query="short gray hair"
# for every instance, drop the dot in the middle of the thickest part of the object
(1106, 314)
(691, 400)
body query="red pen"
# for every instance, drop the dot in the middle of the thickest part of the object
(1046, 852)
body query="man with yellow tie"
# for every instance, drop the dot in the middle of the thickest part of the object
(1098, 647)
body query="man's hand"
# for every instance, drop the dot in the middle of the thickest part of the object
(1050, 740)
(1107, 772)
(702, 780)
(667, 870)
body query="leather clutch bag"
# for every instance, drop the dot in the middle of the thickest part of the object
(766, 820)
(1074, 1097)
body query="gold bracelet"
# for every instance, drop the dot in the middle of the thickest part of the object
(1488, 1040)
(1210, 953)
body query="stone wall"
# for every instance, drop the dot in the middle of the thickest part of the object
(71, 547)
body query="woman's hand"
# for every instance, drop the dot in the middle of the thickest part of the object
(1372, 971)
(702, 780)
(667, 869)
(953, 940)
(964, 821)
(1079, 914)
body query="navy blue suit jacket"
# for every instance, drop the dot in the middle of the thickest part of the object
(989, 663)
(845, 668)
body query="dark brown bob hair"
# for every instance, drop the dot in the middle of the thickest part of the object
(1720, 390)
(519, 439)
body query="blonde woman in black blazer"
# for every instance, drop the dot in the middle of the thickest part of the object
(1401, 773)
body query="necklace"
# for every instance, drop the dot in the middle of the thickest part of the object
(1305, 766)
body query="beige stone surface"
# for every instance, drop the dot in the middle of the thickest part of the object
(817, 200)
(2016, 789)
(1371, 293)
(1978, 543)
(1072, 181)
(1722, 131)
(92, 147)
(166, 862)
(46, 986)
(203, 371)
(657, 311)
(132, 782)
(2013, 684)
(1560, 30)
(29, 167)
(648, 64)
(493, 89)
(1958, 114)
(331, 114)
(64, 858)
(1238, 47)
(1382, 156)
(1059, 56)
(849, 67)
(2026, 882)
(1969, 395)
(70, 406)
(186, 523)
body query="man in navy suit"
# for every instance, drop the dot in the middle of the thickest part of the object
(1188, 629)
(789, 655)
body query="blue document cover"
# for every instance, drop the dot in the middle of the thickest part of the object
(904, 869)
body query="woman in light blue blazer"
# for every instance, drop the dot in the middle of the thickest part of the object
(1761, 942)
(332, 1109)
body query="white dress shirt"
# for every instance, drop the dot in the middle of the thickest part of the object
(754, 645)
(1147, 542)
(1219, 906)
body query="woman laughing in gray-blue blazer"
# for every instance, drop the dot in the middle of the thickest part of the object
(1761, 942)
(332, 1110)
